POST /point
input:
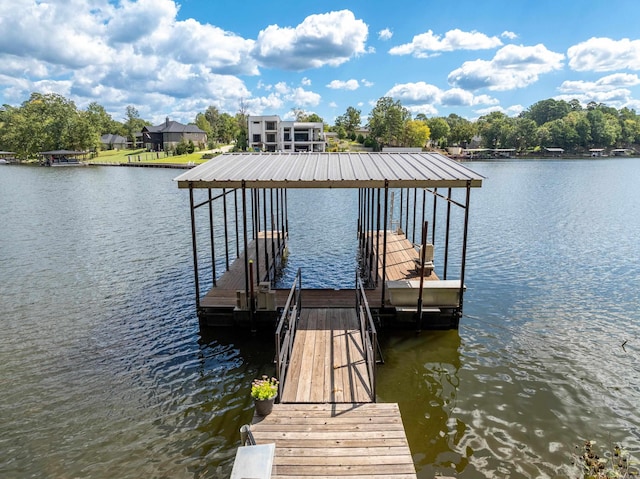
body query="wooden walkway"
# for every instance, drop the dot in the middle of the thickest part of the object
(401, 258)
(328, 424)
(328, 363)
(325, 441)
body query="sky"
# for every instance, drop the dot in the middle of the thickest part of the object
(174, 59)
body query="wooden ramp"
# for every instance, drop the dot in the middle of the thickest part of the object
(326, 441)
(327, 362)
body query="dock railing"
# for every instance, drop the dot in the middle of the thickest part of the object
(286, 331)
(368, 333)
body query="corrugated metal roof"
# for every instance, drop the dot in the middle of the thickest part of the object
(329, 170)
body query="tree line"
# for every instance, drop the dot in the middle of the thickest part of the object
(52, 122)
(545, 124)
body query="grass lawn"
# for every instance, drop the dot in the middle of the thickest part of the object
(143, 156)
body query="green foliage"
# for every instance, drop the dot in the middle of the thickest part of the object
(350, 120)
(182, 147)
(386, 122)
(439, 130)
(264, 388)
(547, 110)
(47, 122)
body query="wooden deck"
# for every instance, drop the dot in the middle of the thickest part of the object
(224, 293)
(326, 441)
(401, 258)
(327, 363)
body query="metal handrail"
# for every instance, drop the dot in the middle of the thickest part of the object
(368, 334)
(286, 330)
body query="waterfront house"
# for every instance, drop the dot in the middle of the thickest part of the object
(269, 133)
(113, 142)
(168, 134)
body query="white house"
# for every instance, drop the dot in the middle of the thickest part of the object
(270, 133)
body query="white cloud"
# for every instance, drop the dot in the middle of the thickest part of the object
(509, 35)
(427, 44)
(513, 110)
(606, 83)
(617, 98)
(424, 98)
(324, 39)
(512, 67)
(385, 34)
(426, 109)
(306, 81)
(260, 105)
(111, 52)
(297, 96)
(302, 97)
(343, 85)
(605, 54)
(366, 83)
(611, 89)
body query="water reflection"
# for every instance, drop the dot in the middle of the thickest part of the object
(421, 374)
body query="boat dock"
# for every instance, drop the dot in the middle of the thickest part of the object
(327, 423)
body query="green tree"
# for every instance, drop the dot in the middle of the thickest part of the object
(439, 130)
(547, 110)
(350, 120)
(204, 125)
(495, 130)
(386, 121)
(133, 124)
(228, 128)
(242, 139)
(44, 122)
(83, 133)
(578, 121)
(98, 117)
(461, 130)
(525, 134)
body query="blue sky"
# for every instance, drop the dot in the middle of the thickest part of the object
(174, 59)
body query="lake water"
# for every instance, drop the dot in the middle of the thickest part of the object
(105, 372)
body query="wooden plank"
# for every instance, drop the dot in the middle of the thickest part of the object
(295, 365)
(400, 258)
(308, 349)
(340, 385)
(336, 440)
(318, 385)
(327, 362)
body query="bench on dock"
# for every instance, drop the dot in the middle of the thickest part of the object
(435, 293)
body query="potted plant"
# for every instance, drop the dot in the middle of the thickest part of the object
(264, 392)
